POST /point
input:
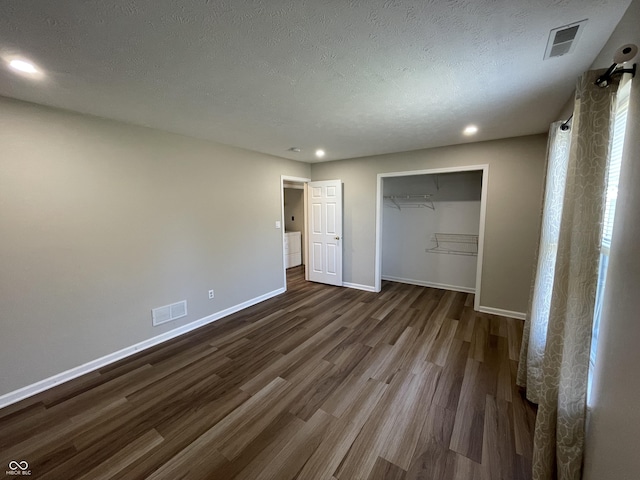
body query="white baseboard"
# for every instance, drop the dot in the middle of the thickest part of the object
(422, 283)
(42, 385)
(503, 313)
(357, 286)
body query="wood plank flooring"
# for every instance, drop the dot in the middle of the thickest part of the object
(318, 383)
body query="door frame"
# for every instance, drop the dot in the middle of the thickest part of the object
(484, 168)
(304, 181)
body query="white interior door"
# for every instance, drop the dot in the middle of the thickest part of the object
(324, 215)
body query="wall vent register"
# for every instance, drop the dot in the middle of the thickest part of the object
(168, 313)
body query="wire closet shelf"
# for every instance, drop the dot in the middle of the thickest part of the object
(454, 244)
(409, 201)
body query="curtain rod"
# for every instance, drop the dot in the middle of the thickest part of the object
(622, 55)
(565, 126)
(604, 80)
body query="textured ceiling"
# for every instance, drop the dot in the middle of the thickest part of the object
(353, 77)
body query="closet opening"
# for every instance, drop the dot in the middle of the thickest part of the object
(293, 199)
(430, 228)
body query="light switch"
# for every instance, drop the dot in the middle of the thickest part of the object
(277, 223)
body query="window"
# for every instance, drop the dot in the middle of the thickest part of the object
(613, 177)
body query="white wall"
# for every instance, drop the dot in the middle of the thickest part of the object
(102, 221)
(407, 232)
(293, 210)
(613, 433)
(294, 213)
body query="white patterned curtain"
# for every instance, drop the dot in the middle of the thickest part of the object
(556, 368)
(535, 329)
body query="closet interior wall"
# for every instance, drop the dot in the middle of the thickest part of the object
(430, 228)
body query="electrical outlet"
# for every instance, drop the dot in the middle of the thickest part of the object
(210, 294)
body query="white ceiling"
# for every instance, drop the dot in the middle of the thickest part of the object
(356, 77)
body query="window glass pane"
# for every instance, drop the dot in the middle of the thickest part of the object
(613, 177)
(614, 166)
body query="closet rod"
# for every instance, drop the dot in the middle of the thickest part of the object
(412, 201)
(400, 197)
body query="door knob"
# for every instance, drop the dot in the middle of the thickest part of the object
(337, 238)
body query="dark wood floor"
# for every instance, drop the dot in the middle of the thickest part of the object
(318, 383)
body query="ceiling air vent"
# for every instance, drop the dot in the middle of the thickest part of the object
(562, 40)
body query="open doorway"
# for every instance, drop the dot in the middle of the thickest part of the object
(430, 228)
(293, 202)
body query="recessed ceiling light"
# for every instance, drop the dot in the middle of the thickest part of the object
(295, 149)
(319, 153)
(470, 130)
(23, 66)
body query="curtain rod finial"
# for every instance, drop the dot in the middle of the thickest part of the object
(604, 80)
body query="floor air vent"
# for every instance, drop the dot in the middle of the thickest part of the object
(562, 40)
(168, 313)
